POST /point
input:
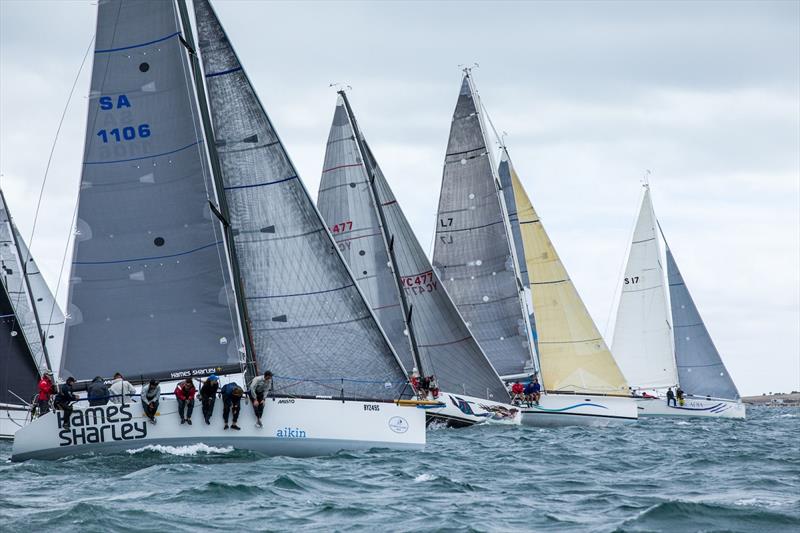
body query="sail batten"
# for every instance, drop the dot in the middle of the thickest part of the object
(443, 343)
(308, 316)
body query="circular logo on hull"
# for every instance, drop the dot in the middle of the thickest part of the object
(398, 424)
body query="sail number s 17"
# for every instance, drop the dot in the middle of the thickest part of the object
(632, 280)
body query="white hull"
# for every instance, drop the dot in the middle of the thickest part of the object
(556, 410)
(292, 427)
(695, 407)
(12, 418)
(460, 410)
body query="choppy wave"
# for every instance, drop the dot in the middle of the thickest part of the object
(656, 475)
(182, 451)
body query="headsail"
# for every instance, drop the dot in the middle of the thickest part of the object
(472, 252)
(150, 287)
(642, 332)
(572, 353)
(700, 368)
(445, 345)
(309, 320)
(345, 202)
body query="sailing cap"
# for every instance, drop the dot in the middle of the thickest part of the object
(213, 377)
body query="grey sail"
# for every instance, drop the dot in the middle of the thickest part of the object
(504, 173)
(700, 369)
(149, 286)
(445, 345)
(19, 373)
(471, 252)
(345, 202)
(309, 322)
(18, 291)
(50, 317)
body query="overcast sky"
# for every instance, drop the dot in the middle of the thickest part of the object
(704, 94)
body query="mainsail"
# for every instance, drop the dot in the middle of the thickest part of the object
(642, 332)
(19, 373)
(22, 358)
(444, 343)
(572, 353)
(18, 289)
(308, 320)
(149, 286)
(472, 253)
(345, 202)
(700, 368)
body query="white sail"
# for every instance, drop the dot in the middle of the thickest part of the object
(643, 334)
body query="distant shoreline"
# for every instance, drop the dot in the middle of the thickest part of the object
(774, 400)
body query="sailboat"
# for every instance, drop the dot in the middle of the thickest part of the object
(413, 307)
(23, 356)
(660, 339)
(198, 250)
(493, 257)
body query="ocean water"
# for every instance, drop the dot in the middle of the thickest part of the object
(656, 475)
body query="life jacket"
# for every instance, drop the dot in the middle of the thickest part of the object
(517, 388)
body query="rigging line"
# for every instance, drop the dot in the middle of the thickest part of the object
(68, 240)
(52, 151)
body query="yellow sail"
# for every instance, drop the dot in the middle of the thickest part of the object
(572, 353)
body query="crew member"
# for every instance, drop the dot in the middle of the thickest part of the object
(208, 395)
(231, 402)
(64, 399)
(97, 392)
(517, 390)
(533, 391)
(185, 393)
(679, 393)
(46, 390)
(121, 390)
(151, 395)
(671, 397)
(259, 387)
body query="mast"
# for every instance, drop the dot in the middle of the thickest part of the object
(24, 263)
(221, 210)
(506, 226)
(387, 238)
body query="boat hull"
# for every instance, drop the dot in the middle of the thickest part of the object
(12, 418)
(459, 410)
(557, 410)
(291, 426)
(694, 407)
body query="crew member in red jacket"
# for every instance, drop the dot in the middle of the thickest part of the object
(185, 393)
(517, 390)
(46, 390)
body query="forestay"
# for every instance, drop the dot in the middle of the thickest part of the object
(572, 353)
(471, 253)
(345, 202)
(642, 334)
(445, 344)
(310, 324)
(700, 368)
(149, 287)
